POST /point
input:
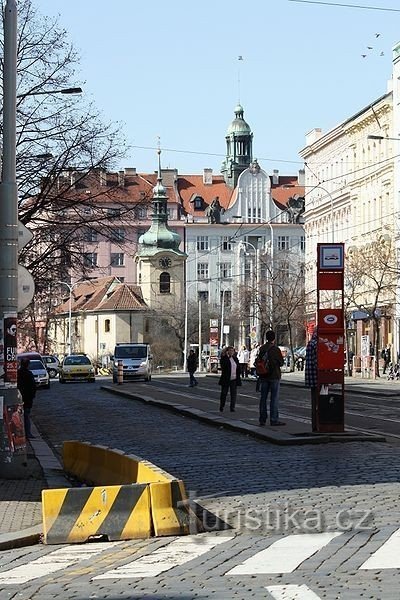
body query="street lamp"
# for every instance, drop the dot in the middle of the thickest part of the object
(256, 321)
(70, 287)
(71, 90)
(185, 347)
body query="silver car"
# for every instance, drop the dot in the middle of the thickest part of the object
(40, 374)
(52, 365)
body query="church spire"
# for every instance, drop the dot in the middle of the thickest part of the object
(159, 236)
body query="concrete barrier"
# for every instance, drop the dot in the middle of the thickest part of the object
(129, 498)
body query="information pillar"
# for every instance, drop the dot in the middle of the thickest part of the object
(328, 409)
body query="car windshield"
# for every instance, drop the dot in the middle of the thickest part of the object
(131, 352)
(36, 365)
(77, 360)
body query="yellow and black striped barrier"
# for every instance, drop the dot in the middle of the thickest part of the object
(130, 498)
(119, 512)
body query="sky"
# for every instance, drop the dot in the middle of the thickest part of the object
(171, 70)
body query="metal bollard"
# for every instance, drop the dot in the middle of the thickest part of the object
(120, 375)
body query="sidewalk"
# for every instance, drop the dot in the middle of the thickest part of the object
(245, 419)
(20, 500)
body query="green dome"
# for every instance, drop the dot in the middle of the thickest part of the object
(239, 125)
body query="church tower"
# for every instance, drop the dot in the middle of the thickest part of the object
(161, 265)
(239, 148)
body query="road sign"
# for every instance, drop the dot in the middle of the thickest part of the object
(24, 235)
(26, 288)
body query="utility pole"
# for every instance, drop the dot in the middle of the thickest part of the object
(12, 445)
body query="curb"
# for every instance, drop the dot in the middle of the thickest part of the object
(278, 438)
(17, 539)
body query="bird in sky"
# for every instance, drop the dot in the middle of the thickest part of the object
(363, 55)
(377, 35)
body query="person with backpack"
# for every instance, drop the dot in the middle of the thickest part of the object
(268, 367)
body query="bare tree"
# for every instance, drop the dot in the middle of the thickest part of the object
(370, 283)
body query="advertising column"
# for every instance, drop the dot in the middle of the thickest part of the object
(328, 412)
(214, 354)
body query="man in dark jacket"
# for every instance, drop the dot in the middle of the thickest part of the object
(192, 368)
(27, 387)
(270, 383)
(230, 377)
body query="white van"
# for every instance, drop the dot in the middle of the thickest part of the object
(136, 361)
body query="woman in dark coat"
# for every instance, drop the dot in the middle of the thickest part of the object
(230, 377)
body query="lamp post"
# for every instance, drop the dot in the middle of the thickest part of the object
(255, 300)
(70, 287)
(185, 347)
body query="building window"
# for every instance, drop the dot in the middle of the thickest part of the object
(198, 203)
(118, 234)
(202, 296)
(225, 270)
(283, 242)
(90, 235)
(141, 212)
(202, 270)
(302, 243)
(113, 213)
(202, 242)
(90, 259)
(107, 326)
(117, 259)
(226, 298)
(226, 243)
(165, 283)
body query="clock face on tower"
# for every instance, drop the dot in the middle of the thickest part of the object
(165, 262)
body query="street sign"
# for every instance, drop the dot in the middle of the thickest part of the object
(24, 235)
(26, 288)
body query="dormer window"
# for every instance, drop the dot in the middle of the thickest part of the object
(198, 203)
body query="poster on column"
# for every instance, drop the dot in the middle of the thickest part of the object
(10, 350)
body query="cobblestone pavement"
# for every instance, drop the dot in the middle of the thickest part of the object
(348, 493)
(23, 496)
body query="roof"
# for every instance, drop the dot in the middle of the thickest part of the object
(285, 189)
(103, 294)
(190, 186)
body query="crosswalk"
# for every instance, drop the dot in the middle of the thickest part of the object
(279, 556)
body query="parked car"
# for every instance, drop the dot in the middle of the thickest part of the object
(77, 367)
(52, 365)
(40, 373)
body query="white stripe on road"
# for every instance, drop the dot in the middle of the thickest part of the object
(174, 554)
(52, 562)
(388, 555)
(284, 555)
(292, 592)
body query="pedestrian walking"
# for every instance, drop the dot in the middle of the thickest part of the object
(191, 364)
(27, 387)
(387, 357)
(311, 374)
(253, 356)
(270, 382)
(243, 358)
(230, 377)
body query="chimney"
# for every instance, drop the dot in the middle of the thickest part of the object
(103, 177)
(207, 176)
(72, 177)
(121, 178)
(130, 171)
(275, 177)
(301, 180)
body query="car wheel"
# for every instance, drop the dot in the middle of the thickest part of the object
(47, 387)
(52, 373)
